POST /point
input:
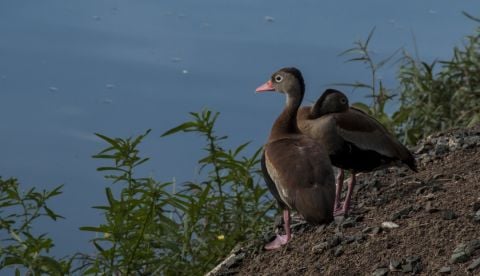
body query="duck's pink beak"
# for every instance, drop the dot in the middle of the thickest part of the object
(268, 86)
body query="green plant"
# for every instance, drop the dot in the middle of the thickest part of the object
(134, 219)
(442, 94)
(149, 229)
(378, 93)
(20, 247)
(229, 206)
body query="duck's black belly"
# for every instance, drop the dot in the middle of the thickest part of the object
(350, 157)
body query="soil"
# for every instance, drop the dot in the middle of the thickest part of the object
(435, 215)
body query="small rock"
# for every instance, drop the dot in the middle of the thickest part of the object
(389, 225)
(320, 228)
(367, 230)
(319, 248)
(338, 251)
(476, 206)
(474, 264)
(458, 257)
(421, 190)
(359, 237)
(376, 230)
(394, 265)
(348, 239)
(476, 217)
(336, 240)
(472, 246)
(339, 219)
(349, 222)
(402, 213)
(412, 264)
(429, 207)
(445, 270)
(382, 271)
(449, 215)
(457, 177)
(406, 268)
(430, 196)
(441, 149)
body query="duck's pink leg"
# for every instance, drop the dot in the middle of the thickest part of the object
(338, 192)
(281, 239)
(346, 204)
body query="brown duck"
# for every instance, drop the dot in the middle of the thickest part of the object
(355, 141)
(297, 169)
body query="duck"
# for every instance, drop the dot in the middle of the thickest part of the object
(296, 168)
(355, 141)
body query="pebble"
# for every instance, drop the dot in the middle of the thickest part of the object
(463, 251)
(402, 213)
(445, 270)
(406, 268)
(319, 248)
(449, 215)
(441, 149)
(476, 206)
(389, 225)
(382, 271)
(394, 265)
(472, 246)
(338, 251)
(430, 208)
(336, 240)
(458, 256)
(474, 264)
(349, 222)
(430, 196)
(476, 217)
(412, 264)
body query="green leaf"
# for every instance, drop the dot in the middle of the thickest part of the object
(50, 265)
(11, 261)
(109, 140)
(110, 197)
(93, 229)
(98, 247)
(100, 169)
(51, 214)
(183, 127)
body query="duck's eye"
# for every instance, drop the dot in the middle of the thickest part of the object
(343, 101)
(278, 78)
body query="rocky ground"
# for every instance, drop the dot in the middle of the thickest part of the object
(425, 223)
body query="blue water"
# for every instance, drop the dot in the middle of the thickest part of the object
(72, 68)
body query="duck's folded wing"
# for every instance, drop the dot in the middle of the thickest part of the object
(367, 133)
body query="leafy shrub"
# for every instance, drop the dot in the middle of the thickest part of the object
(431, 99)
(20, 248)
(434, 99)
(150, 230)
(377, 92)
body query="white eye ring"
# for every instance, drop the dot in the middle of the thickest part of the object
(343, 100)
(278, 78)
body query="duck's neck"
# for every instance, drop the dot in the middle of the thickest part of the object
(286, 123)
